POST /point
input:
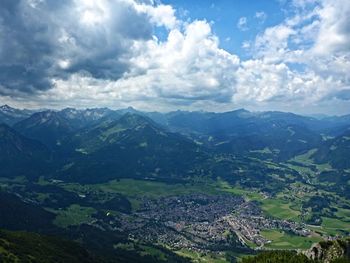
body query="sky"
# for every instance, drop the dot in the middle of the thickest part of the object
(163, 55)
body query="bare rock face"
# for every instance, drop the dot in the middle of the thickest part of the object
(315, 252)
(327, 251)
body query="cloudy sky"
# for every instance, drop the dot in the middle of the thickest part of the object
(290, 55)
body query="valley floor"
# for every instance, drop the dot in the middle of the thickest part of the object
(197, 220)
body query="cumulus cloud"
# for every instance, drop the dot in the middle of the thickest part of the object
(304, 59)
(49, 39)
(334, 31)
(105, 53)
(187, 67)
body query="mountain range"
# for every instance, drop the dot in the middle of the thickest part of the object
(172, 144)
(95, 176)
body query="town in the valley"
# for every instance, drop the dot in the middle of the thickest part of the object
(200, 222)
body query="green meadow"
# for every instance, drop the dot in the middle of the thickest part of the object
(74, 215)
(281, 209)
(282, 240)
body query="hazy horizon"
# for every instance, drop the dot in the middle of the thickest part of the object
(314, 115)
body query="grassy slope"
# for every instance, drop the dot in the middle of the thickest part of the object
(29, 247)
(74, 215)
(283, 240)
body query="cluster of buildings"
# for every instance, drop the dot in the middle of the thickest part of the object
(201, 222)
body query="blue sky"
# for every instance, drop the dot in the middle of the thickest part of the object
(289, 55)
(225, 14)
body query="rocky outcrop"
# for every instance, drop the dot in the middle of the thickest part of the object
(328, 251)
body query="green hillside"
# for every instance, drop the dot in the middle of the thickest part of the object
(31, 247)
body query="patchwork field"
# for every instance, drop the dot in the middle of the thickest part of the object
(280, 209)
(283, 240)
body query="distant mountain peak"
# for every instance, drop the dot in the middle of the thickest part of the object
(11, 115)
(45, 114)
(132, 118)
(128, 110)
(239, 113)
(6, 107)
(241, 110)
(71, 112)
(70, 109)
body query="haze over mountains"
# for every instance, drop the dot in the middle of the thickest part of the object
(102, 144)
(98, 145)
(93, 133)
(100, 176)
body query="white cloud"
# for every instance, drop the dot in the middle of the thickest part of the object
(261, 15)
(260, 81)
(161, 15)
(105, 53)
(246, 44)
(304, 59)
(187, 67)
(273, 42)
(242, 24)
(334, 30)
